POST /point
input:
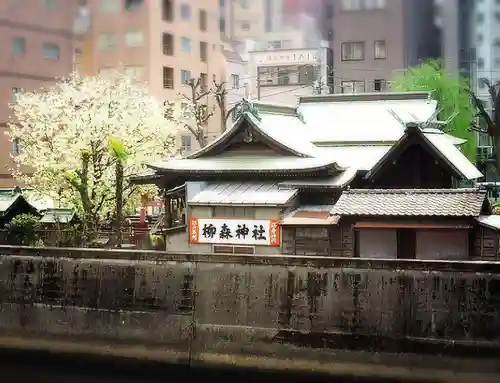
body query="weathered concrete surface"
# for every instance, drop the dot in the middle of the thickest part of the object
(371, 317)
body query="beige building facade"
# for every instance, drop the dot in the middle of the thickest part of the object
(38, 47)
(164, 43)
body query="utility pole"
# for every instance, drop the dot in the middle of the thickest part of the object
(258, 83)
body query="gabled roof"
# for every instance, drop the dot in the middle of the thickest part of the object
(249, 122)
(412, 202)
(8, 202)
(369, 117)
(58, 216)
(439, 144)
(282, 129)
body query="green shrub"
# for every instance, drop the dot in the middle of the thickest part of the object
(157, 242)
(23, 230)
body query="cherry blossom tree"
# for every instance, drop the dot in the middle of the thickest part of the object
(64, 134)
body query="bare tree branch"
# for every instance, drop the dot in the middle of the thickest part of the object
(201, 114)
(220, 94)
(482, 113)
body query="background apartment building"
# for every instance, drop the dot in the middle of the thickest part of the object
(369, 39)
(37, 43)
(374, 38)
(164, 43)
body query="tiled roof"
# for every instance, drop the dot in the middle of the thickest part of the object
(411, 202)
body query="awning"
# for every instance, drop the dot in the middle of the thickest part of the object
(243, 194)
(408, 225)
(311, 216)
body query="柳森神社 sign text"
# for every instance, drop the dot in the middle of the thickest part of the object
(234, 231)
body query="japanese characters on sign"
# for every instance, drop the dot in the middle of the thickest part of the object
(309, 56)
(234, 231)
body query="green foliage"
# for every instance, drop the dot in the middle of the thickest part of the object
(451, 93)
(23, 230)
(157, 242)
(117, 150)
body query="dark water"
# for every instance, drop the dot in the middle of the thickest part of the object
(51, 368)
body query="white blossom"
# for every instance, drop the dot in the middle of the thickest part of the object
(60, 128)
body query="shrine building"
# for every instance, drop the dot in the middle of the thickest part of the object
(369, 175)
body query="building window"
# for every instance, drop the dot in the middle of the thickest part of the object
(284, 77)
(185, 11)
(135, 72)
(133, 5)
(167, 10)
(274, 44)
(185, 76)
(203, 20)
(357, 5)
(50, 5)
(51, 51)
(268, 14)
(380, 50)
(480, 63)
(235, 81)
(307, 74)
(352, 87)
(134, 39)
(225, 249)
(16, 146)
(185, 45)
(203, 51)
(245, 25)
(106, 71)
(110, 6)
(480, 18)
(15, 92)
(233, 212)
(379, 85)
(353, 51)
(185, 144)
(18, 46)
(168, 44)
(204, 81)
(222, 25)
(107, 41)
(168, 78)
(244, 4)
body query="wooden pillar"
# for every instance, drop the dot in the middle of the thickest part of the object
(497, 239)
(168, 212)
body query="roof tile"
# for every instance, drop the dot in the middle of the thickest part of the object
(411, 202)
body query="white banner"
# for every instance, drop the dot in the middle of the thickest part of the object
(234, 231)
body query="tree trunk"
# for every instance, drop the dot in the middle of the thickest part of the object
(119, 202)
